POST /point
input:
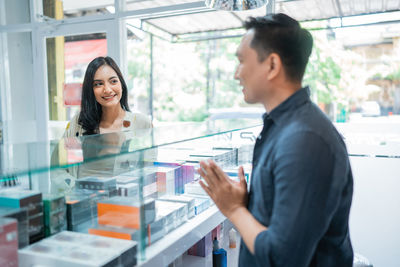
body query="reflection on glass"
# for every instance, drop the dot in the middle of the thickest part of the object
(70, 152)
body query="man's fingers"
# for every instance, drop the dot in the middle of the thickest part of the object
(242, 177)
(208, 174)
(201, 172)
(219, 173)
(206, 188)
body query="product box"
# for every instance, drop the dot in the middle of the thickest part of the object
(189, 170)
(190, 201)
(233, 174)
(203, 248)
(77, 249)
(128, 190)
(53, 203)
(14, 198)
(149, 181)
(245, 153)
(149, 176)
(205, 155)
(32, 202)
(231, 155)
(36, 228)
(156, 230)
(21, 215)
(179, 175)
(194, 188)
(79, 208)
(179, 212)
(125, 212)
(165, 180)
(216, 232)
(201, 203)
(83, 227)
(115, 232)
(8, 242)
(55, 216)
(55, 222)
(95, 183)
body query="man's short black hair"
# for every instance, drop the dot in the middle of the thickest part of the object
(279, 33)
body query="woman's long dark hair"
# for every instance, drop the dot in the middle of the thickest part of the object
(90, 115)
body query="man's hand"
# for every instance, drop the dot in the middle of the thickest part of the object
(231, 199)
(229, 196)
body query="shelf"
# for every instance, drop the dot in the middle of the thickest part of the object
(181, 239)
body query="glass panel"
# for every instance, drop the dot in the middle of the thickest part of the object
(138, 61)
(19, 76)
(70, 152)
(15, 12)
(67, 59)
(58, 9)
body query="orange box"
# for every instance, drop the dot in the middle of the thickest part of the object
(125, 212)
(121, 233)
(118, 215)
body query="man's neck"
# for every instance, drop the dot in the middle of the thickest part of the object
(279, 95)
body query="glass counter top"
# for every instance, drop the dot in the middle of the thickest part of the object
(28, 158)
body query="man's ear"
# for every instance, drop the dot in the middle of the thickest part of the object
(273, 65)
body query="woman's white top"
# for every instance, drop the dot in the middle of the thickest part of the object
(132, 121)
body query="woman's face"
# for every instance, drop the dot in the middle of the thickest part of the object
(107, 87)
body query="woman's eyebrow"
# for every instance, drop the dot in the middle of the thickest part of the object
(97, 80)
(113, 77)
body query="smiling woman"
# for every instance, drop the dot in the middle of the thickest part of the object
(104, 106)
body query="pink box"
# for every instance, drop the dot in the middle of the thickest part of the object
(203, 248)
(8, 242)
(216, 233)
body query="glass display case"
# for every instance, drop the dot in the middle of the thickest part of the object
(140, 188)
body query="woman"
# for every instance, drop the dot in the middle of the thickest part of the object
(104, 105)
(104, 109)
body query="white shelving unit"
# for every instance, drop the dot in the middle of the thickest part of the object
(177, 242)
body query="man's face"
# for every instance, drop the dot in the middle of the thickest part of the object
(250, 72)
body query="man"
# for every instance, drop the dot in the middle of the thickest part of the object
(297, 209)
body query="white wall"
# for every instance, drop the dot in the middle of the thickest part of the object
(375, 212)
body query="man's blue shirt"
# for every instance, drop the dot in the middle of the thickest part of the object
(301, 189)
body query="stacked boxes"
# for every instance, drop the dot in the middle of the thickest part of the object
(55, 217)
(30, 200)
(21, 215)
(175, 213)
(194, 188)
(125, 212)
(201, 203)
(229, 155)
(222, 157)
(189, 201)
(165, 180)
(115, 232)
(119, 217)
(189, 170)
(77, 249)
(128, 190)
(245, 153)
(177, 168)
(149, 181)
(8, 242)
(108, 185)
(81, 210)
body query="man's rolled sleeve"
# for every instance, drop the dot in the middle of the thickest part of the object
(304, 201)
